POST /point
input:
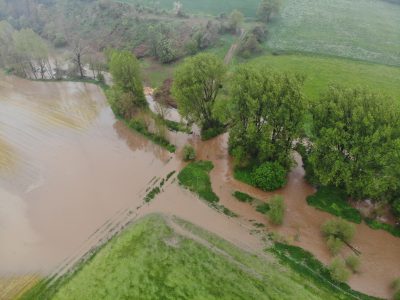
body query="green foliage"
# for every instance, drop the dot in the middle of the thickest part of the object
(177, 126)
(338, 270)
(334, 201)
(195, 177)
(235, 20)
(141, 127)
(165, 51)
(277, 210)
(352, 29)
(243, 174)
(267, 9)
(243, 197)
(269, 176)
(338, 228)
(189, 153)
(356, 141)
(334, 244)
(396, 295)
(396, 207)
(127, 93)
(263, 208)
(152, 194)
(267, 115)
(212, 132)
(376, 225)
(196, 85)
(396, 284)
(353, 263)
(305, 264)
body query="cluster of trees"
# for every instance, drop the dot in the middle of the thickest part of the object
(356, 145)
(24, 52)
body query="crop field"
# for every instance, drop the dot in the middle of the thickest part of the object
(359, 29)
(211, 7)
(320, 72)
(151, 261)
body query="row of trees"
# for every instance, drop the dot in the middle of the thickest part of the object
(355, 140)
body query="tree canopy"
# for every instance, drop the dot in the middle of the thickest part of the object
(356, 143)
(268, 114)
(267, 9)
(196, 86)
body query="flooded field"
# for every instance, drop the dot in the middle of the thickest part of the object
(71, 175)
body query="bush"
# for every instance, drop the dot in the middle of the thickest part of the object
(243, 197)
(269, 176)
(334, 245)
(263, 208)
(396, 295)
(353, 263)
(338, 270)
(209, 133)
(277, 210)
(189, 153)
(396, 284)
(338, 228)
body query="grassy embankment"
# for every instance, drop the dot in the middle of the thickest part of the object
(150, 260)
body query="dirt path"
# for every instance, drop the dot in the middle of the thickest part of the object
(232, 50)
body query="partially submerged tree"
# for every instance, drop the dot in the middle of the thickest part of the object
(337, 233)
(277, 210)
(196, 86)
(78, 53)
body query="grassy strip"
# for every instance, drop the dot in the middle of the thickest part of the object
(159, 140)
(152, 194)
(224, 210)
(244, 175)
(304, 263)
(334, 201)
(243, 197)
(376, 225)
(195, 177)
(177, 127)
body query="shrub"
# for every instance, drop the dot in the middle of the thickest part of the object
(189, 153)
(396, 207)
(338, 270)
(396, 284)
(377, 225)
(243, 197)
(334, 245)
(269, 176)
(277, 210)
(353, 263)
(338, 228)
(396, 295)
(263, 208)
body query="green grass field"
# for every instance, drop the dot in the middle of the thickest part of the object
(322, 71)
(210, 7)
(150, 260)
(360, 29)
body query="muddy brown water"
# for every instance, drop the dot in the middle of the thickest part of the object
(71, 176)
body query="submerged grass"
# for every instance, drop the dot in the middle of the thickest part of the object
(149, 260)
(334, 201)
(243, 197)
(195, 177)
(376, 225)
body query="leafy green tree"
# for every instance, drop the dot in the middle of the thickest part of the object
(356, 143)
(338, 270)
(268, 115)
(337, 232)
(267, 9)
(127, 93)
(165, 50)
(196, 86)
(269, 176)
(235, 20)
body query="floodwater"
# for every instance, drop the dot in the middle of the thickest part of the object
(71, 176)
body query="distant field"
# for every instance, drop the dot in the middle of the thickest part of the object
(360, 29)
(212, 7)
(151, 261)
(322, 71)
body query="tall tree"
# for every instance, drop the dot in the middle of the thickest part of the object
(196, 86)
(356, 143)
(127, 93)
(78, 56)
(235, 20)
(267, 9)
(268, 115)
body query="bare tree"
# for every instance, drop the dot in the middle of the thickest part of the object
(79, 51)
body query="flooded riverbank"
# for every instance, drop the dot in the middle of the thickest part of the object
(71, 175)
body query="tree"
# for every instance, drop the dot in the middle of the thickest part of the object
(267, 117)
(337, 232)
(267, 9)
(356, 143)
(196, 87)
(269, 176)
(338, 270)
(127, 93)
(79, 51)
(235, 20)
